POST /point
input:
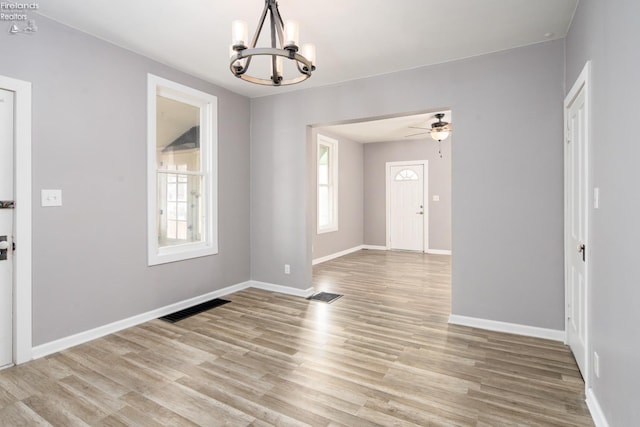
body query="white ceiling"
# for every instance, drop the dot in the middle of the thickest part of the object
(354, 38)
(388, 129)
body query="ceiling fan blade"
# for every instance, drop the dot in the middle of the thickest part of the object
(418, 127)
(415, 134)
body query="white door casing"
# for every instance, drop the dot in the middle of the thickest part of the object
(6, 227)
(577, 247)
(407, 209)
(21, 319)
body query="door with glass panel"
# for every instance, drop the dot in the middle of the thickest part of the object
(406, 209)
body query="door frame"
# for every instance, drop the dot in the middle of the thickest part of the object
(425, 217)
(583, 82)
(22, 332)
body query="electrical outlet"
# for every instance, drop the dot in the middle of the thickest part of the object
(596, 198)
(596, 364)
(287, 269)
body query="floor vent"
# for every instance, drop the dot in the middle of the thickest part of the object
(191, 311)
(327, 297)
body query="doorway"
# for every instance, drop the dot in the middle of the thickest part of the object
(407, 194)
(6, 226)
(577, 247)
(15, 221)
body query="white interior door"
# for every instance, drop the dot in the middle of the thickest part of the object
(407, 207)
(576, 228)
(6, 227)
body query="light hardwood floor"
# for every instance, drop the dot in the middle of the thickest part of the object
(381, 355)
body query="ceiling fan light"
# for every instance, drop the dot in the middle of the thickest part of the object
(440, 135)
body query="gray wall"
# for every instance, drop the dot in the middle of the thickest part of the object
(350, 190)
(89, 139)
(507, 186)
(375, 157)
(608, 34)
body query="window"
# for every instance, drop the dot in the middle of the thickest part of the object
(327, 184)
(182, 168)
(406, 175)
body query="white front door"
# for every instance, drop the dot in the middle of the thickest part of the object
(576, 227)
(6, 227)
(407, 207)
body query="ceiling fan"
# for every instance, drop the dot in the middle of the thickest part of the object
(439, 130)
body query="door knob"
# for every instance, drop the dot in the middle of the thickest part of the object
(4, 246)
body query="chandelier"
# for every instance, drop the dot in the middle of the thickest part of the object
(284, 35)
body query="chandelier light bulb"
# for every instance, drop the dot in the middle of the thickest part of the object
(309, 52)
(239, 34)
(291, 34)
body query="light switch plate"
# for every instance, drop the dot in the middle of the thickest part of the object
(51, 198)
(436, 198)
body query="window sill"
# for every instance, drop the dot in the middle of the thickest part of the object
(327, 230)
(180, 253)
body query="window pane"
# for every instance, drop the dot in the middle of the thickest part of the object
(323, 206)
(323, 175)
(172, 211)
(171, 191)
(323, 155)
(177, 135)
(406, 175)
(171, 229)
(183, 207)
(182, 211)
(182, 230)
(182, 192)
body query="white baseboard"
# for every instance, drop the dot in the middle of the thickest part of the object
(511, 328)
(86, 336)
(336, 255)
(303, 293)
(428, 251)
(438, 251)
(596, 411)
(374, 247)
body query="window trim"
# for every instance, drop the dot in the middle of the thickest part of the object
(208, 105)
(334, 166)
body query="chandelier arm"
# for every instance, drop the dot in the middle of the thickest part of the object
(303, 70)
(278, 24)
(256, 35)
(274, 61)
